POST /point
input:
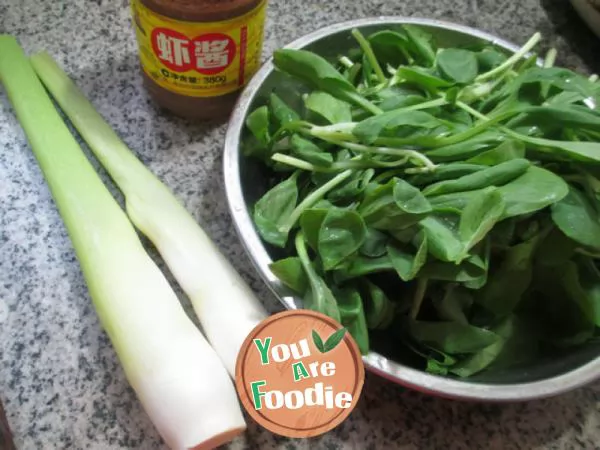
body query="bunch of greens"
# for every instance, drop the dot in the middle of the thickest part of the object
(450, 195)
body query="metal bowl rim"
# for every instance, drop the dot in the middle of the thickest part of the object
(375, 362)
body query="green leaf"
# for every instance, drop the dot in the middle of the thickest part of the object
(582, 283)
(375, 243)
(258, 123)
(319, 74)
(329, 107)
(406, 235)
(441, 237)
(444, 172)
(333, 340)
(353, 317)
(406, 264)
(510, 149)
(394, 205)
(479, 216)
(536, 189)
(400, 100)
(394, 124)
(506, 285)
(452, 203)
(312, 68)
(341, 234)
(589, 278)
(319, 297)
(410, 199)
(556, 249)
(549, 117)
(379, 310)
(486, 356)
(361, 266)
(465, 149)
(529, 86)
(421, 42)
(503, 234)
(434, 367)
(308, 151)
(273, 208)
(561, 150)
(353, 187)
(290, 272)
(498, 175)
(592, 185)
(390, 47)
(489, 58)
(458, 65)
(578, 218)
(454, 305)
(481, 259)
(561, 307)
(318, 341)
(451, 337)
(310, 224)
(282, 112)
(422, 78)
(470, 270)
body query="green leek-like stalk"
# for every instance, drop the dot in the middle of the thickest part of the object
(225, 305)
(175, 373)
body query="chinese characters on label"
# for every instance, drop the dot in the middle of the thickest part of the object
(207, 54)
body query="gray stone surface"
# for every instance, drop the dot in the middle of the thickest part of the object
(59, 378)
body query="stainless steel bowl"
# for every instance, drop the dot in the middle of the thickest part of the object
(245, 182)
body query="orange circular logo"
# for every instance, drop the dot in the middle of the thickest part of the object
(299, 373)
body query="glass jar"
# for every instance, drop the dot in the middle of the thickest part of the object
(196, 55)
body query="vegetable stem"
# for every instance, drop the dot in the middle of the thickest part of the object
(425, 105)
(346, 62)
(331, 134)
(295, 162)
(356, 163)
(550, 58)
(411, 154)
(530, 44)
(363, 102)
(368, 51)
(303, 255)
(313, 198)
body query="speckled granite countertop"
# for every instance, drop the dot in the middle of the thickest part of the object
(59, 378)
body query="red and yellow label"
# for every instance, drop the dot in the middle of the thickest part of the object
(199, 59)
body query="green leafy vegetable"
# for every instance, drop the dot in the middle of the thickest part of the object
(290, 272)
(451, 337)
(394, 205)
(458, 65)
(329, 107)
(282, 112)
(579, 218)
(479, 216)
(271, 210)
(353, 317)
(449, 197)
(341, 234)
(406, 264)
(497, 175)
